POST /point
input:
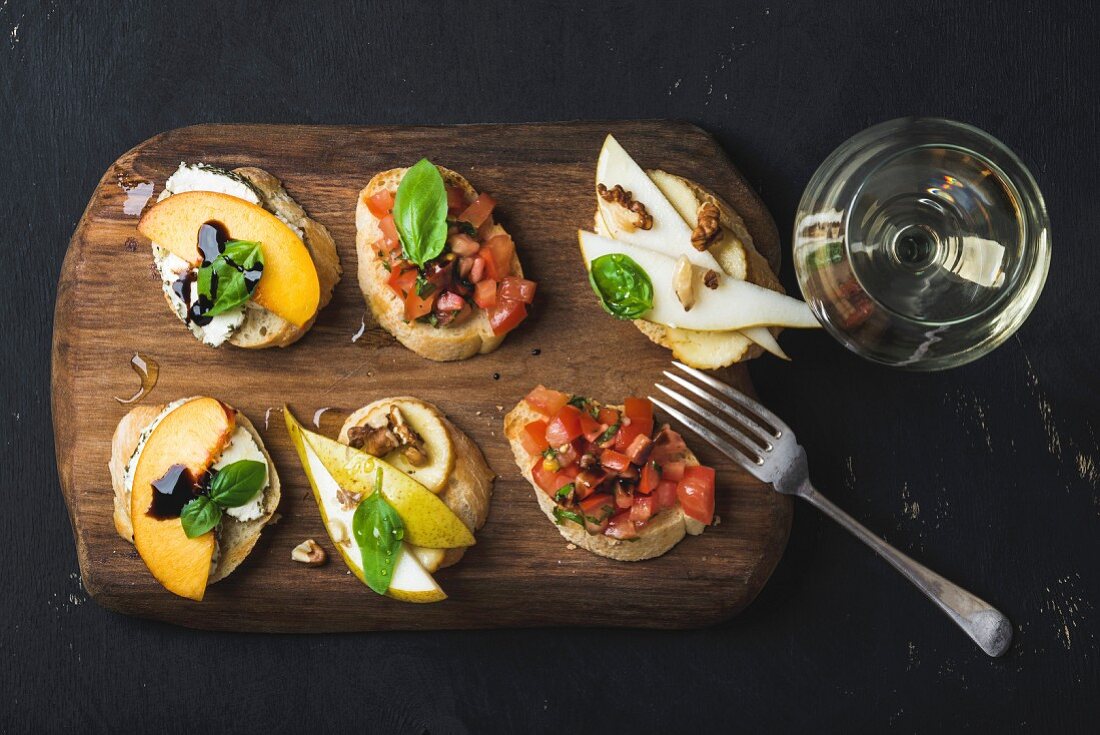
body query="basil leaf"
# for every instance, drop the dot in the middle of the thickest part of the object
(624, 289)
(610, 433)
(237, 483)
(378, 532)
(463, 226)
(199, 516)
(228, 281)
(561, 515)
(564, 491)
(420, 213)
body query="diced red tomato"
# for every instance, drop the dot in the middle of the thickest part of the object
(668, 446)
(478, 211)
(450, 301)
(666, 494)
(389, 231)
(380, 204)
(506, 316)
(550, 482)
(497, 253)
(628, 432)
(462, 244)
(518, 289)
(485, 294)
(597, 510)
(477, 271)
(696, 493)
(608, 416)
(621, 526)
(649, 480)
(638, 408)
(643, 509)
(588, 480)
(564, 427)
(416, 307)
(546, 401)
(623, 498)
(402, 280)
(456, 200)
(590, 427)
(533, 437)
(673, 471)
(614, 461)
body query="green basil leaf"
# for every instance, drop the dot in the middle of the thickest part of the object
(624, 289)
(237, 483)
(564, 491)
(463, 226)
(611, 431)
(378, 532)
(199, 516)
(420, 213)
(223, 281)
(561, 515)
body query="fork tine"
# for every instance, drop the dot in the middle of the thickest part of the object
(754, 467)
(736, 395)
(745, 441)
(762, 434)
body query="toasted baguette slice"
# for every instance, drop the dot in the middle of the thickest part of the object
(262, 328)
(737, 255)
(445, 344)
(664, 531)
(235, 538)
(469, 486)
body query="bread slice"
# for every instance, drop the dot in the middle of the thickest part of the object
(663, 531)
(262, 328)
(469, 487)
(235, 538)
(738, 256)
(441, 344)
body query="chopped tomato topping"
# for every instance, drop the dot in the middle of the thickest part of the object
(590, 427)
(518, 289)
(485, 294)
(506, 316)
(608, 416)
(389, 231)
(462, 244)
(622, 527)
(696, 493)
(456, 200)
(497, 252)
(638, 408)
(533, 437)
(549, 481)
(666, 494)
(673, 471)
(597, 510)
(588, 481)
(643, 508)
(649, 479)
(417, 306)
(564, 427)
(623, 497)
(628, 432)
(402, 280)
(380, 204)
(450, 301)
(546, 401)
(567, 455)
(478, 211)
(614, 461)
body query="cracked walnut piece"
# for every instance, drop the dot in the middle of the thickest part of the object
(309, 553)
(395, 434)
(643, 220)
(707, 228)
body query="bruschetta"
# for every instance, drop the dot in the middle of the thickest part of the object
(610, 481)
(239, 260)
(193, 488)
(436, 270)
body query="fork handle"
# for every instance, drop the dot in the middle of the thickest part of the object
(981, 621)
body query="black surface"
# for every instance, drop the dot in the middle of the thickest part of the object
(987, 473)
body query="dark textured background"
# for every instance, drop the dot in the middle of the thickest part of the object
(988, 473)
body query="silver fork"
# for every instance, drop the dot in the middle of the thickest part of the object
(767, 448)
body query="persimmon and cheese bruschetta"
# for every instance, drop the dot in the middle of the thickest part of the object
(610, 482)
(435, 269)
(239, 260)
(193, 488)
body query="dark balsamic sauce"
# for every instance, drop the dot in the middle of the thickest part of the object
(173, 491)
(212, 239)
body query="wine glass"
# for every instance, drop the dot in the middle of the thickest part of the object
(922, 243)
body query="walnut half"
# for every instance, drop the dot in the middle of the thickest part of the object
(617, 195)
(309, 552)
(707, 227)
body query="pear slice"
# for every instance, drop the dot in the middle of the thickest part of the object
(411, 582)
(430, 559)
(763, 337)
(732, 305)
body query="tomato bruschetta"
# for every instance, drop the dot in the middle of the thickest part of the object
(437, 271)
(611, 482)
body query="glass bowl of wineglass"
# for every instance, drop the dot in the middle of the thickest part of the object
(922, 243)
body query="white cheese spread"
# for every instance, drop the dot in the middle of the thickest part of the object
(242, 446)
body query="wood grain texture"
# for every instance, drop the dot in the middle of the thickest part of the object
(109, 306)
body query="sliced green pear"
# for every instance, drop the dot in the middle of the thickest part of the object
(733, 305)
(430, 559)
(428, 521)
(763, 337)
(670, 233)
(411, 582)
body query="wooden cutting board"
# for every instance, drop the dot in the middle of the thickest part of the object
(109, 306)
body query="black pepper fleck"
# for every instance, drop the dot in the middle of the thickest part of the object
(536, 352)
(496, 376)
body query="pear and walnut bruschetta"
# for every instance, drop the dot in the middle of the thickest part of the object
(612, 484)
(239, 259)
(401, 493)
(435, 269)
(193, 488)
